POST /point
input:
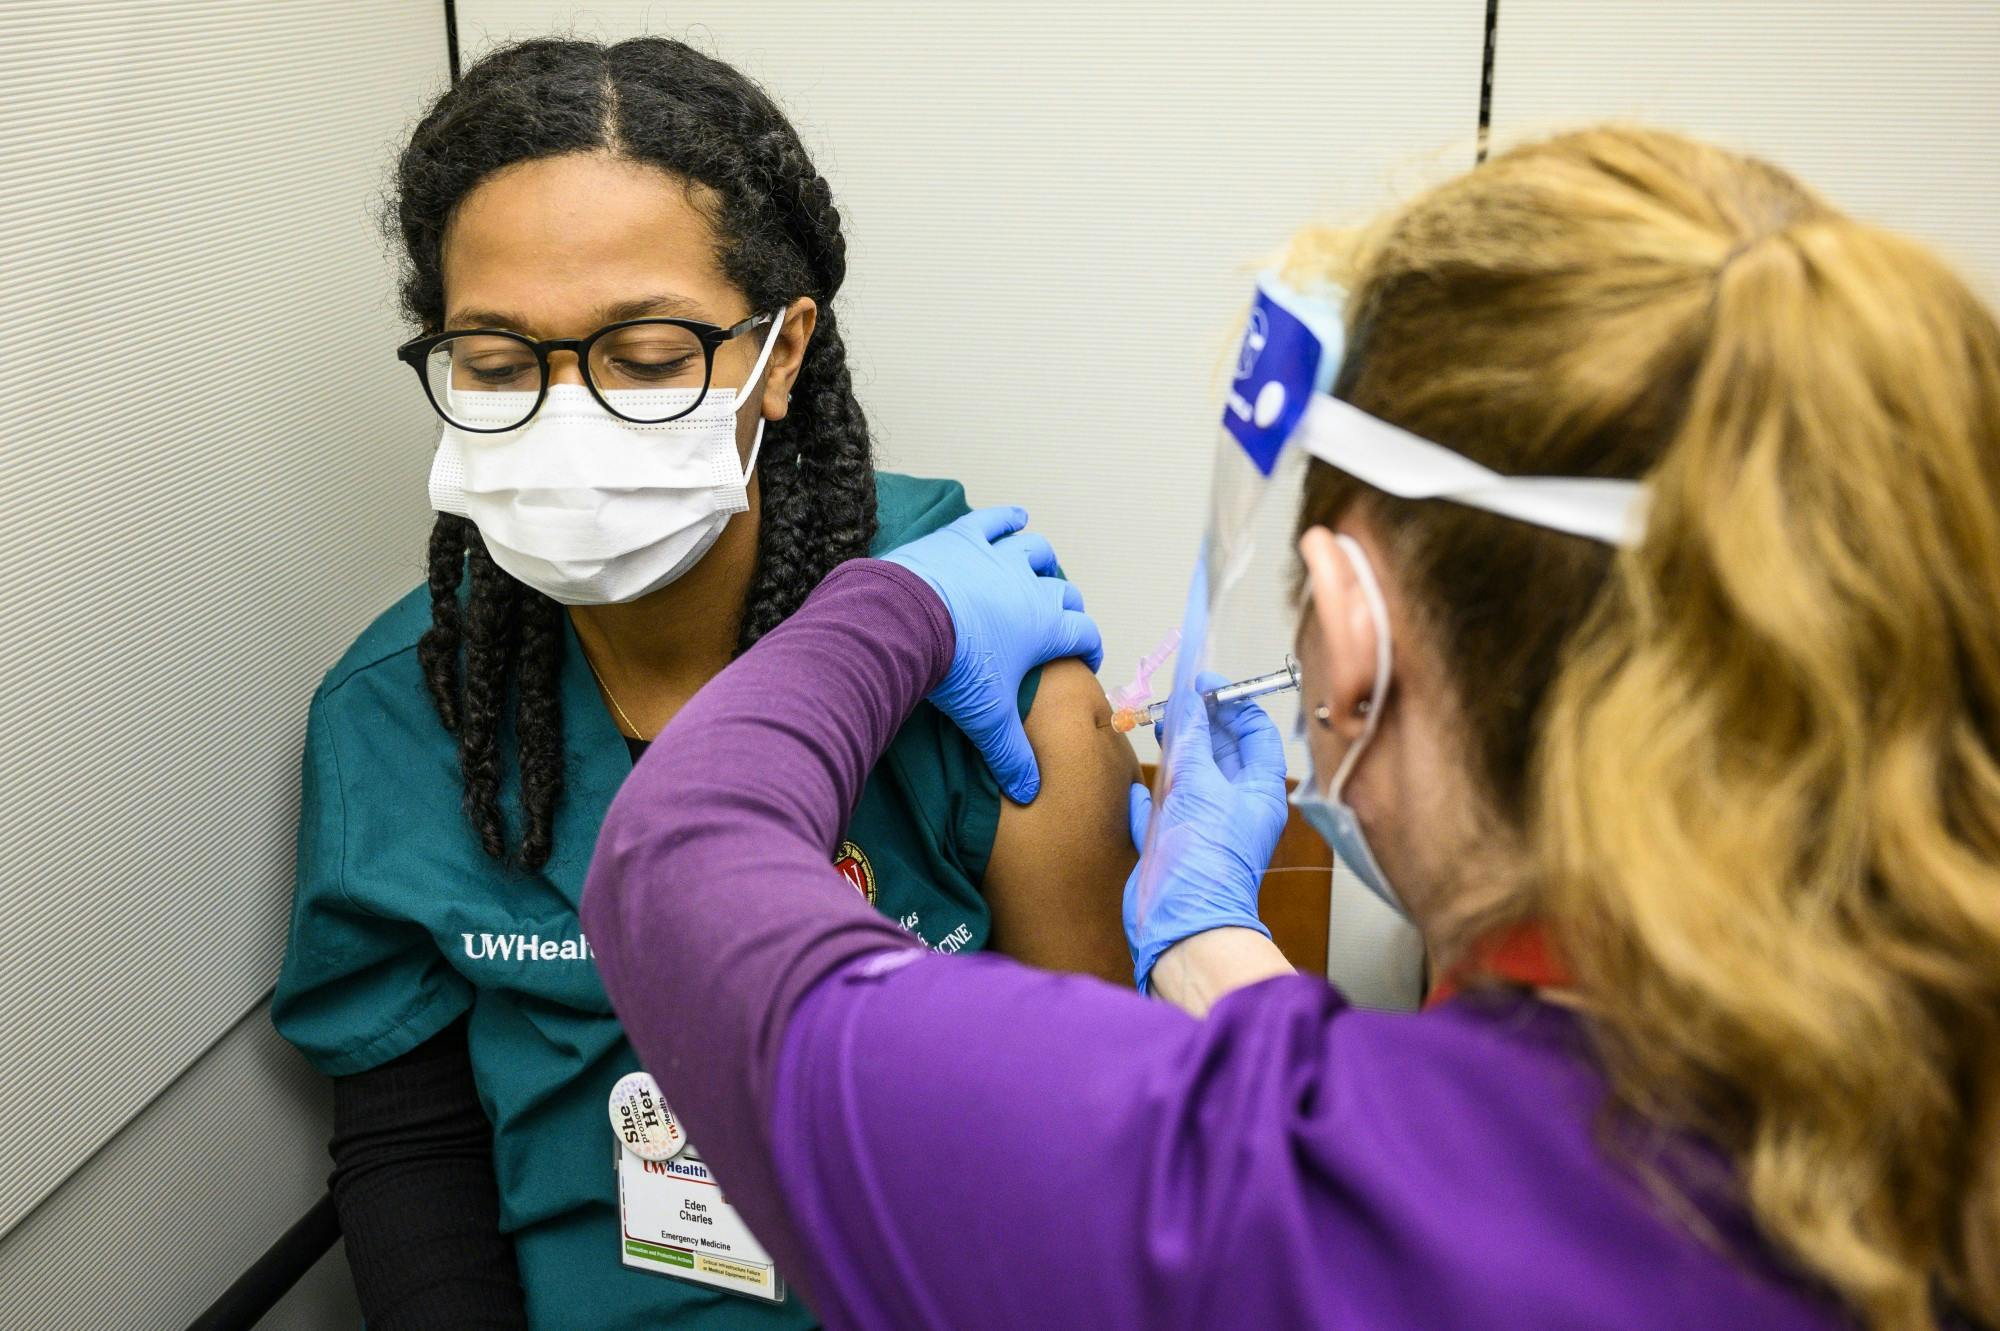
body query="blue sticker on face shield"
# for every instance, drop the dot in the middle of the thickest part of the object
(1291, 349)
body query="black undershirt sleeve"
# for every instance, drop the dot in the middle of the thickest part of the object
(414, 1185)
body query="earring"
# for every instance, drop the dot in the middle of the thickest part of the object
(1361, 708)
(1324, 715)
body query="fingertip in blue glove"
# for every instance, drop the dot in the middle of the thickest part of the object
(1224, 811)
(1010, 612)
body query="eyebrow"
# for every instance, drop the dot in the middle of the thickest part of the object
(665, 303)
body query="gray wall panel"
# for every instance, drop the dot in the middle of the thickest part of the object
(211, 477)
(159, 1222)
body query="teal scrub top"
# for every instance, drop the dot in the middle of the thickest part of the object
(401, 924)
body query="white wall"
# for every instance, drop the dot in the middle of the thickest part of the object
(1054, 211)
(1887, 108)
(1053, 208)
(200, 504)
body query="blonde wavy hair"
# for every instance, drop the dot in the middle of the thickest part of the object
(1755, 760)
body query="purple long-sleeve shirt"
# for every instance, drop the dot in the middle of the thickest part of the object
(966, 1142)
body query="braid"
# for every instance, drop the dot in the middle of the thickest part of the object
(437, 650)
(818, 477)
(661, 103)
(818, 506)
(490, 628)
(538, 722)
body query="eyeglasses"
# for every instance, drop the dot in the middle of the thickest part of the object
(486, 380)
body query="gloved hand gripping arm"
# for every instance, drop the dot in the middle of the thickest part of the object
(1011, 612)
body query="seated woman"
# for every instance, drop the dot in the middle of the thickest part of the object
(623, 263)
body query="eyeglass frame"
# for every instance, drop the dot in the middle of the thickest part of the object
(418, 349)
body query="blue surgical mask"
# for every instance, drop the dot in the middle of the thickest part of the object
(1330, 815)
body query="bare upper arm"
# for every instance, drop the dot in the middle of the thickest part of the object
(1056, 878)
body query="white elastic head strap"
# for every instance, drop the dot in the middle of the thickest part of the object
(1410, 467)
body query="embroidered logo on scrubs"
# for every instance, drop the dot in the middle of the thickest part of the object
(526, 947)
(852, 864)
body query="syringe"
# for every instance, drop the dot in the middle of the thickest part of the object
(1126, 719)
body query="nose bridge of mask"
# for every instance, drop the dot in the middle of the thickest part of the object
(574, 444)
(584, 481)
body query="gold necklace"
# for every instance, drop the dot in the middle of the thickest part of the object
(630, 727)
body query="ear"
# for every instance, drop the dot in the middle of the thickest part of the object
(1347, 629)
(788, 357)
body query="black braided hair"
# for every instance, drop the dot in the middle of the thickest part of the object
(660, 102)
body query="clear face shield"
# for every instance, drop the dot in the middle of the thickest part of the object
(1238, 619)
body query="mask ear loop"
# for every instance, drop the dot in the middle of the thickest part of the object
(756, 373)
(1378, 610)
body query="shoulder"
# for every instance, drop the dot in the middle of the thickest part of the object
(1489, 1115)
(907, 507)
(1508, 1080)
(391, 639)
(380, 768)
(1487, 1047)
(1087, 767)
(374, 704)
(1072, 704)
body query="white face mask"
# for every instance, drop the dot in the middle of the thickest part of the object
(1330, 815)
(589, 509)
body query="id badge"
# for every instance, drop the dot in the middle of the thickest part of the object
(672, 1217)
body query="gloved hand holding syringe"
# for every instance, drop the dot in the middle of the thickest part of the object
(1131, 709)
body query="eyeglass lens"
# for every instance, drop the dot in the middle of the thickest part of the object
(491, 381)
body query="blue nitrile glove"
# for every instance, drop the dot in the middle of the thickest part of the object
(1011, 613)
(1224, 812)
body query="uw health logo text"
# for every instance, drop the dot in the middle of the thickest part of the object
(526, 947)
